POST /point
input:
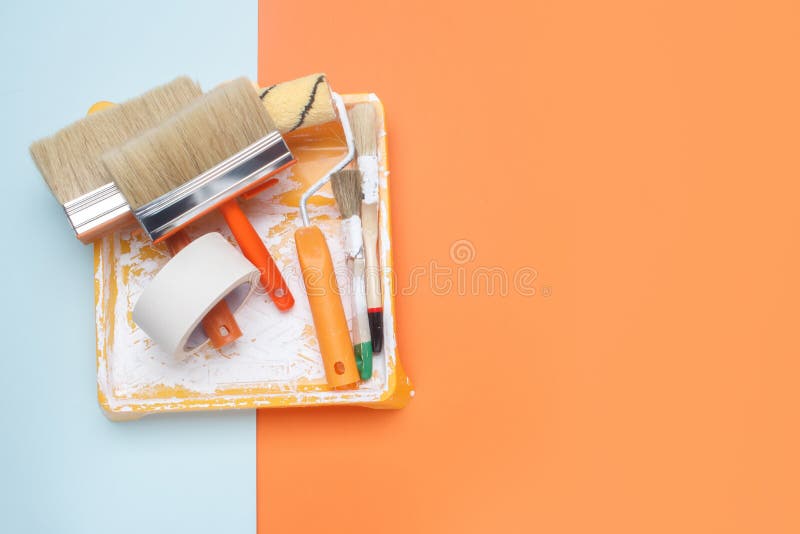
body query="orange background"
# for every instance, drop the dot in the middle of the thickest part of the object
(642, 157)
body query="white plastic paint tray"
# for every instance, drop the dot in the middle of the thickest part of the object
(276, 363)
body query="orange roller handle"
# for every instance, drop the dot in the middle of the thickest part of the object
(326, 307)
(219, 324)
(254, 250)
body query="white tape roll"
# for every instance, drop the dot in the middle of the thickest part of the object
(187, 287)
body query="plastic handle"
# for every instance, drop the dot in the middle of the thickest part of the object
(369, 222)
(219, 324)
(330, 323)
(362, 338)
(254, 250)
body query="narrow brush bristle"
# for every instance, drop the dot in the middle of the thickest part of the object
(363, 121)
(210, 130)
(69, 160)
(346, 186)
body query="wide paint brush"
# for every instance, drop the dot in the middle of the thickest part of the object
(92, 202)
(70, 163)
(221, 146)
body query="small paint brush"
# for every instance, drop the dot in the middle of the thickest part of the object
(364, 122)
(346, 186)
(219, 147)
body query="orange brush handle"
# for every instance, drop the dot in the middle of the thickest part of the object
(254, 250)
(219, 324)
(326, 307)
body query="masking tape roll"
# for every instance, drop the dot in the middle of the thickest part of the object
(187, 287)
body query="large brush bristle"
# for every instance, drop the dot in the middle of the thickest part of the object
(363, 121)
(69, 160)
(346, 186)
(210, 130)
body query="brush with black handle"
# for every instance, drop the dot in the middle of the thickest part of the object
(364, 122)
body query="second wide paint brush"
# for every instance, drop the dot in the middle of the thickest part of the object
(201, 159)
(92, 202)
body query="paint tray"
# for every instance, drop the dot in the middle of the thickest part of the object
(276, 362)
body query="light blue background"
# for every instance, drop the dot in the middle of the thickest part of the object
(64, 467)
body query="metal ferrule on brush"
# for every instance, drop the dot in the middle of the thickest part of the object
(97, 212)
(225, 181)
